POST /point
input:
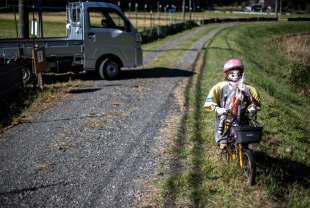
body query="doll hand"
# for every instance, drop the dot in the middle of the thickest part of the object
(220, 111)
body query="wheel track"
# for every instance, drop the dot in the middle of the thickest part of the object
(90, 176)
(187, 62)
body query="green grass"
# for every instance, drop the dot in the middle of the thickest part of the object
(8, 29)
(172, 55)
(156, 44)
(283, 155)
(51, 29)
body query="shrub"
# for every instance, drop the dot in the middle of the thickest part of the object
(153, 34)
(297, 50)
(300, 77)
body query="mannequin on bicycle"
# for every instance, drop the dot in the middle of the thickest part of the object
(223, 94)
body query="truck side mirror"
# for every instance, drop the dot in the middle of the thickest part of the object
(128, 27)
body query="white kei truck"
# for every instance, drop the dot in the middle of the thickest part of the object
(99, 37)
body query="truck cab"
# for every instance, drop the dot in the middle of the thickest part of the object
(99, 37)
(110, 42)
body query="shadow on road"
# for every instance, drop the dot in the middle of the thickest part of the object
(52, 78)
(172, 49)
(30, 189)
(82, 90)
(157, 72)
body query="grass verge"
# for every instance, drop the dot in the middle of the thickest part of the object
(282, 156)
(202, 179)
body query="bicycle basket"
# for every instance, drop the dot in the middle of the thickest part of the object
(246, 134)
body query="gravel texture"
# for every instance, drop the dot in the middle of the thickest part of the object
(92, 147)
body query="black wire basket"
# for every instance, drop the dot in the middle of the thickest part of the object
(246, 134)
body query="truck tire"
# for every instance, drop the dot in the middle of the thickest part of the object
(109, 69)
(26, 74)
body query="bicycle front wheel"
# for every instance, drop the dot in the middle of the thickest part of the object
(249, 166)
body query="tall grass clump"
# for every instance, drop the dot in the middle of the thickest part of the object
(296, 48)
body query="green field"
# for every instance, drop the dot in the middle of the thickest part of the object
(51, 29)
(54, 22)
(283, 155)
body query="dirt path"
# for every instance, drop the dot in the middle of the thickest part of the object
(155, 53)
(91, 147)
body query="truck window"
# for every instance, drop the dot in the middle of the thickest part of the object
(106, 18)
(75, 15)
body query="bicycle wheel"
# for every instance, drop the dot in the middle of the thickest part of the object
(249, 166)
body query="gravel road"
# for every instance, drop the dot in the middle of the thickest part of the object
(91, 147)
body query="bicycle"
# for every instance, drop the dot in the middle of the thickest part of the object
(238, 136)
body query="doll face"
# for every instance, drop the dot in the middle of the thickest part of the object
(234, 75)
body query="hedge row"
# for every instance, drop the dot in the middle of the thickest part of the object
(153, 34)
(299, 19)
(250, 19)
(149, 35)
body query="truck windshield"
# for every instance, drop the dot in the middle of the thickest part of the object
(106, 18)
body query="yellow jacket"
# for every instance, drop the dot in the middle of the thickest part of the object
(221, 94)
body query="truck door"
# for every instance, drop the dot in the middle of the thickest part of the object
(109, 32)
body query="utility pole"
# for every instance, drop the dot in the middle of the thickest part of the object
(183, 10)
(40, 18)
(190, 9)
(276, 8)
(23, 23)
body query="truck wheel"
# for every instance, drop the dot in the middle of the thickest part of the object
(109, 69)
(26, 75)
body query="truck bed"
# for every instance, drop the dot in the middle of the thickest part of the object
(53, 46)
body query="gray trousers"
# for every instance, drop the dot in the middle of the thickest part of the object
(218, 137)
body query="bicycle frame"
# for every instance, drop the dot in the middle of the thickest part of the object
(236, 150)
(240, 152)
